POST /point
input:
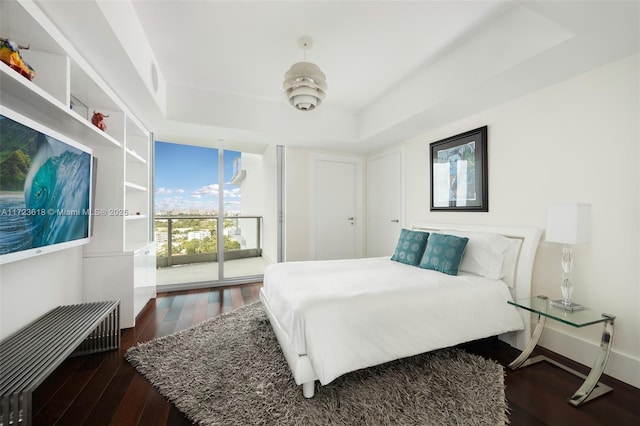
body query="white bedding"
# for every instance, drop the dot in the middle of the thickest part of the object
(350, 314)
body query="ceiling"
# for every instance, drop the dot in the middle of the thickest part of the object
(203, 71)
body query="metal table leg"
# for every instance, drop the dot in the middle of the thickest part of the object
(518, 362)
(591, 389)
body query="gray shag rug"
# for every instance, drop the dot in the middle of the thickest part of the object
(230, 371)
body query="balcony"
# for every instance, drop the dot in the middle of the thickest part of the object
(193, 257)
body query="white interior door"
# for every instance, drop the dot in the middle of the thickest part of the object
(385, 202)
(336, 207)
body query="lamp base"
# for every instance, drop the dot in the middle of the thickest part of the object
(570, 307)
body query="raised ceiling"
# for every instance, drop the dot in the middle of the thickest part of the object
(202, 71)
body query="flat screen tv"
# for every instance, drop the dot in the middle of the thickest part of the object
(45, 189)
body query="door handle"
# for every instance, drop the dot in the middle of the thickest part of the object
(395, 220)
(351, 218)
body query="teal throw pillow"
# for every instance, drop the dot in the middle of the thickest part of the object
(410, 247)
(444, 253)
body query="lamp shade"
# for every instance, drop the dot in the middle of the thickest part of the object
(305, 85)
(568, 223)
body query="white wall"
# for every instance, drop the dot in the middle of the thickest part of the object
(574, 141)
(259, 196)
(297, 204)
(31, 287)
(270, 214)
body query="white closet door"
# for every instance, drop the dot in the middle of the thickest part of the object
(385, 202)
(336, 207)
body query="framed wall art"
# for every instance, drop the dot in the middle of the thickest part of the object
(459, 172)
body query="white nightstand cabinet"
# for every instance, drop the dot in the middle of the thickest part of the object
(129, 277)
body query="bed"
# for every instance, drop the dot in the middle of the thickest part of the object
(332, 317)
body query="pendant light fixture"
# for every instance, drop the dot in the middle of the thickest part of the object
(304, 84)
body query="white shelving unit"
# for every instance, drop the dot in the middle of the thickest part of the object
(119, 261)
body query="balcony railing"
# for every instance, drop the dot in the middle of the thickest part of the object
(184, 240)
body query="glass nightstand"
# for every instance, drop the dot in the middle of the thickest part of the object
(591, 388)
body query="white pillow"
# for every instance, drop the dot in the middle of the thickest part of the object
(485, 253)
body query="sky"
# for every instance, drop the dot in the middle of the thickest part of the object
(186, 178)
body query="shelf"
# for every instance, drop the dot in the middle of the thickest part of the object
(26, 98)
(87, 91)
(135, 186)
(123, 150)
(134, 155)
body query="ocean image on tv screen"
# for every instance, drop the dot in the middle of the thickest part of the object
(44, 189)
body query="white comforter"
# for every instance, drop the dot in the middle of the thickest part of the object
(351, 314)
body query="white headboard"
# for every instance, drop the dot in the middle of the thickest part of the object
(521, 278)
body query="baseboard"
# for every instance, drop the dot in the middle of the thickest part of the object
(620, 366)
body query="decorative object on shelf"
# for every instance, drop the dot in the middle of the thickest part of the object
(78, 106)
(98, 120)
(568, 224)
(459, 172)
(10, 55)
(304, 84)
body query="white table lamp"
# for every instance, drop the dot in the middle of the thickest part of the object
(568, 224)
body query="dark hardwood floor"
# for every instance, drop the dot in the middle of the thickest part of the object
(104, 389)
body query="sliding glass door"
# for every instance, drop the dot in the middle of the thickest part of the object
(208, 230)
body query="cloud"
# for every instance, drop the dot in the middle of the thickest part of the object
(213, 189)
(233, 193)
(164, 190)
(185, 205)
(204, 198)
